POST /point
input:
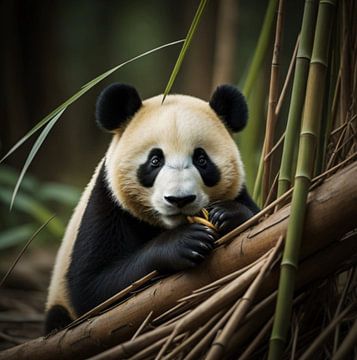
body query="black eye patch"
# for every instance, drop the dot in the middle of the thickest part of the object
(148, 171)
(207, 168)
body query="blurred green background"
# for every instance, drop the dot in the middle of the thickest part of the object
(51, 48)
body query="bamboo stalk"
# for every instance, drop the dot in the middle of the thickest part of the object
(297, 95)
(131, 347)
(348, 343)
(256, 341)
(345, 290)
(204, 342)
(142, 326)
(273, 100)
(261, 48)
(288, 78)
(194, 337)
(254, 89)
(304, 173)
(324, 335)
(217, 349)
(146, 352)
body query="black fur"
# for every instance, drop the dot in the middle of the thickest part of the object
(148, 171)
(230, 105)
(113, 249)
(57, 317)
(227, 215)
(116, 104)
(207, 168)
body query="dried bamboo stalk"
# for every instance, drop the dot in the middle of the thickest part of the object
(348, 343)
(324, 335)
(220, 299)
(273, 99)
(194, 337)
(217, 350)
(256, 341)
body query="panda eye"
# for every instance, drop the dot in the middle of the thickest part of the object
(155, 161)
(201, 160)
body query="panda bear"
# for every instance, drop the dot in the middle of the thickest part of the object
(166, 161)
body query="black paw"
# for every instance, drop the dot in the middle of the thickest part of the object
(227, 215)
(183, 247)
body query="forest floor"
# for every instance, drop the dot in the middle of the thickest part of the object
(23, 295)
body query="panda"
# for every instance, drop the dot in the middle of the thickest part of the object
(166, 161)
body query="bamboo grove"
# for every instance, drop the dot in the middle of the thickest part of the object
(284, 284)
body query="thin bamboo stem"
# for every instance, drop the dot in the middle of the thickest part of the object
(204, 342)
(287, 79)
(261, 48)
(324, 335)
(305, 166)
(196, 335)
(273, 99)
(297, 96)
(219, 346)
(142, 326)
(348, 343)
(256, 341)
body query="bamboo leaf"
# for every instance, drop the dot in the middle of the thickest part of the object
(81, 92)
(34, 151)
(185, 47)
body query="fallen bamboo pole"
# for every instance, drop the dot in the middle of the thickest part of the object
(331, 213)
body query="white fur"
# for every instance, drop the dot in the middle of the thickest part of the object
(179, 178)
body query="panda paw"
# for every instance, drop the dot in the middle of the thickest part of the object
(227, 215)
(183, 247)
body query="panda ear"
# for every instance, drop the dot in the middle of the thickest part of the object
(230, 105)
(115, 105)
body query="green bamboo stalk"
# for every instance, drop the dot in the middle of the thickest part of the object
(254, 90)
(297, 96)
(305, 166)
(249, 141)
(262, 47)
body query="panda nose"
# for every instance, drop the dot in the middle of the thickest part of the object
(180, 202)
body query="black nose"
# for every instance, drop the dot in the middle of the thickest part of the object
(180, 201)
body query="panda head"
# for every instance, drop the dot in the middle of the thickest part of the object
(167, 161)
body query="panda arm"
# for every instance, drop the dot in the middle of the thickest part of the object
(227, 215)
(114, 249)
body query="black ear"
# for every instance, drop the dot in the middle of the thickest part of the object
(230, 105)
(116, 104)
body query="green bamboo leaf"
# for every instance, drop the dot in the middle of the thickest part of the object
(185, 47)
(77, 95)
(34, 151)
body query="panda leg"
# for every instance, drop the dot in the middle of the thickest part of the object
(57, 317)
